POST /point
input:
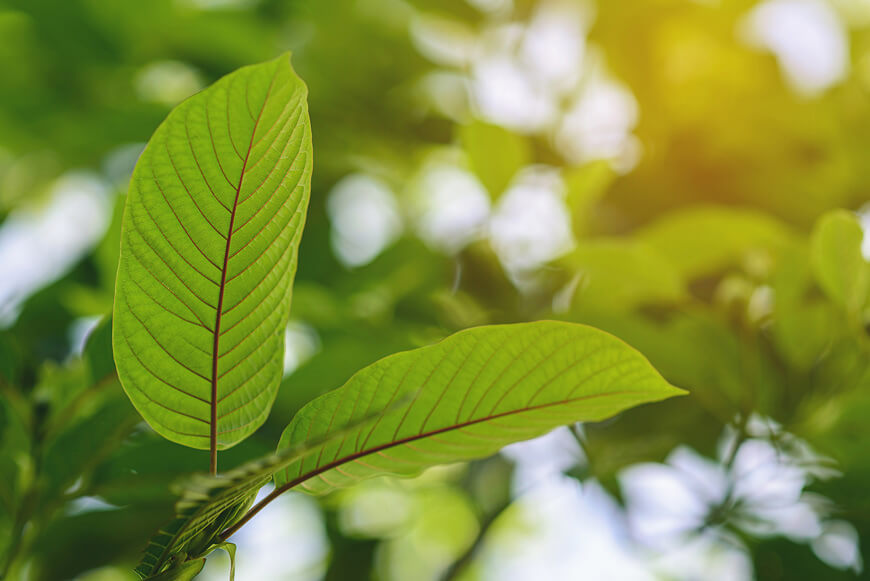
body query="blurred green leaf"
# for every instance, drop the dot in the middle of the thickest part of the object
(620, 274)
(584, 187)
(65, 548)
(704, 240)
(838, 264)
(802, 325)
(97, 352)
(73, 452)
(495, 154)
(9, 360)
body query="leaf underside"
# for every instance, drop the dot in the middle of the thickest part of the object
(467, 397)
(210, 236)
(207, 505)
(462, 398)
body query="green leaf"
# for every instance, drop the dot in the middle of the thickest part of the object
(837, 261)
(584, 187)
(10, 360)
(467, 396)
(230, 549)
(183, 571)
(208, 505)
(97, 352)
(495, 154)
(704, 240)
(73, 452)
(209, 248)
(621, 274)
(803, 323)
(508, 383)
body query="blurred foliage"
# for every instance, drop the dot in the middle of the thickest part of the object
(717, 230)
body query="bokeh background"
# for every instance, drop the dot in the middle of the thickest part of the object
(656, 168)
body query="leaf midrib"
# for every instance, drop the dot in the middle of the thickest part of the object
(317, 471)
(222, 288)
(444, 429)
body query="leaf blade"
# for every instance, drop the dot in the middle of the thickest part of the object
(207, 500)
(208, 255)
(466, 396)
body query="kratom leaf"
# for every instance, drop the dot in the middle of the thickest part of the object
(837, 261)
(211, 231)
(468, 396)
(462, 398)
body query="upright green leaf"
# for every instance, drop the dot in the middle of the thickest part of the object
(585, 185)
(210, 236)
(467, 397)
(495, 154)
(97, 352)
(837, 261)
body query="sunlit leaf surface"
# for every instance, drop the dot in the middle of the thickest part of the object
(208, 254)
(468, 396)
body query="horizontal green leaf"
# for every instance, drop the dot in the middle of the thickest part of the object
(837, 261)
(505, 383)
(467, 397)
(703, 240)
(211, 231)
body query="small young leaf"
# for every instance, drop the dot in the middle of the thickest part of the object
(467, 397)
(230, 549)
(211, 230)
(495, 154)
(208, 505)
(183, 571)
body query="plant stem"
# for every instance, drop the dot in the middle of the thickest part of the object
(228, 532)
(459, 565)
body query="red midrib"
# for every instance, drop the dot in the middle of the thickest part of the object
(406, 440)
(222, 287)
